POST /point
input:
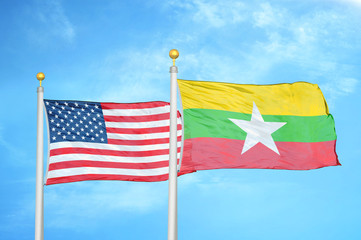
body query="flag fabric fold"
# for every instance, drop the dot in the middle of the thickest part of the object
(281, 126)
(108, 141)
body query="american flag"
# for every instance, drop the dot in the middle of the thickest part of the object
(108, 141)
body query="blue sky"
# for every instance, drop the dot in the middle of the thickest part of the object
(118, 51)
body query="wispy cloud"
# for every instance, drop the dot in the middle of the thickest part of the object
(212, 13)
(267, 16)
(353, 2)
(214, 187)
(282, 37)
(210, 66)
(305, 43)
(96, 200)
(18, 216)
(52, 23)
(339, 87)
(134, 75)
(12, 151)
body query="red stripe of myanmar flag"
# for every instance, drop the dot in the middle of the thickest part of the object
(282, 126)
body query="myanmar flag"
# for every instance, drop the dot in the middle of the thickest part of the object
(281, 126)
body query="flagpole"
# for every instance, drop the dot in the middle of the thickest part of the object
(39, 192)
(172, 189)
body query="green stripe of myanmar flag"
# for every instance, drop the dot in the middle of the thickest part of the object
(282, 126)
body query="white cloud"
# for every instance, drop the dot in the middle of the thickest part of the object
(20, 216)
(75, 205)
(211, 183)
(314, 44)
(338, 87)
(53, 22)
(213, 13)
(268, 16)
(208, 66)
(311, 43)
(13, 152)
(219, 13)
(134, 76)
(353, 2)
(348, 85)
(52, 14)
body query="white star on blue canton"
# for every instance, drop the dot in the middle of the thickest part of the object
(70, 119)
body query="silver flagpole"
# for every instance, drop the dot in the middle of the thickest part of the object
(39, 197)
(172, 189)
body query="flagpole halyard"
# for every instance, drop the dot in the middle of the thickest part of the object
(172, 189)
(39, 192)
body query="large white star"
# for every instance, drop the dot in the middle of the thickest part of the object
(258, 131)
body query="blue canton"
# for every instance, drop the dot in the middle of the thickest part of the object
(75, 121)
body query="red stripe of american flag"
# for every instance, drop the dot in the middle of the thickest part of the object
(141, 142)
(91, 151)
(134, 105)
(85, 177)
(141, 130)
(100, 164)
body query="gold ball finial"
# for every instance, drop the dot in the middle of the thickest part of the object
(173, 54)
(40, 76)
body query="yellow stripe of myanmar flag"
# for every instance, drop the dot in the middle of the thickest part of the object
(281, 126)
